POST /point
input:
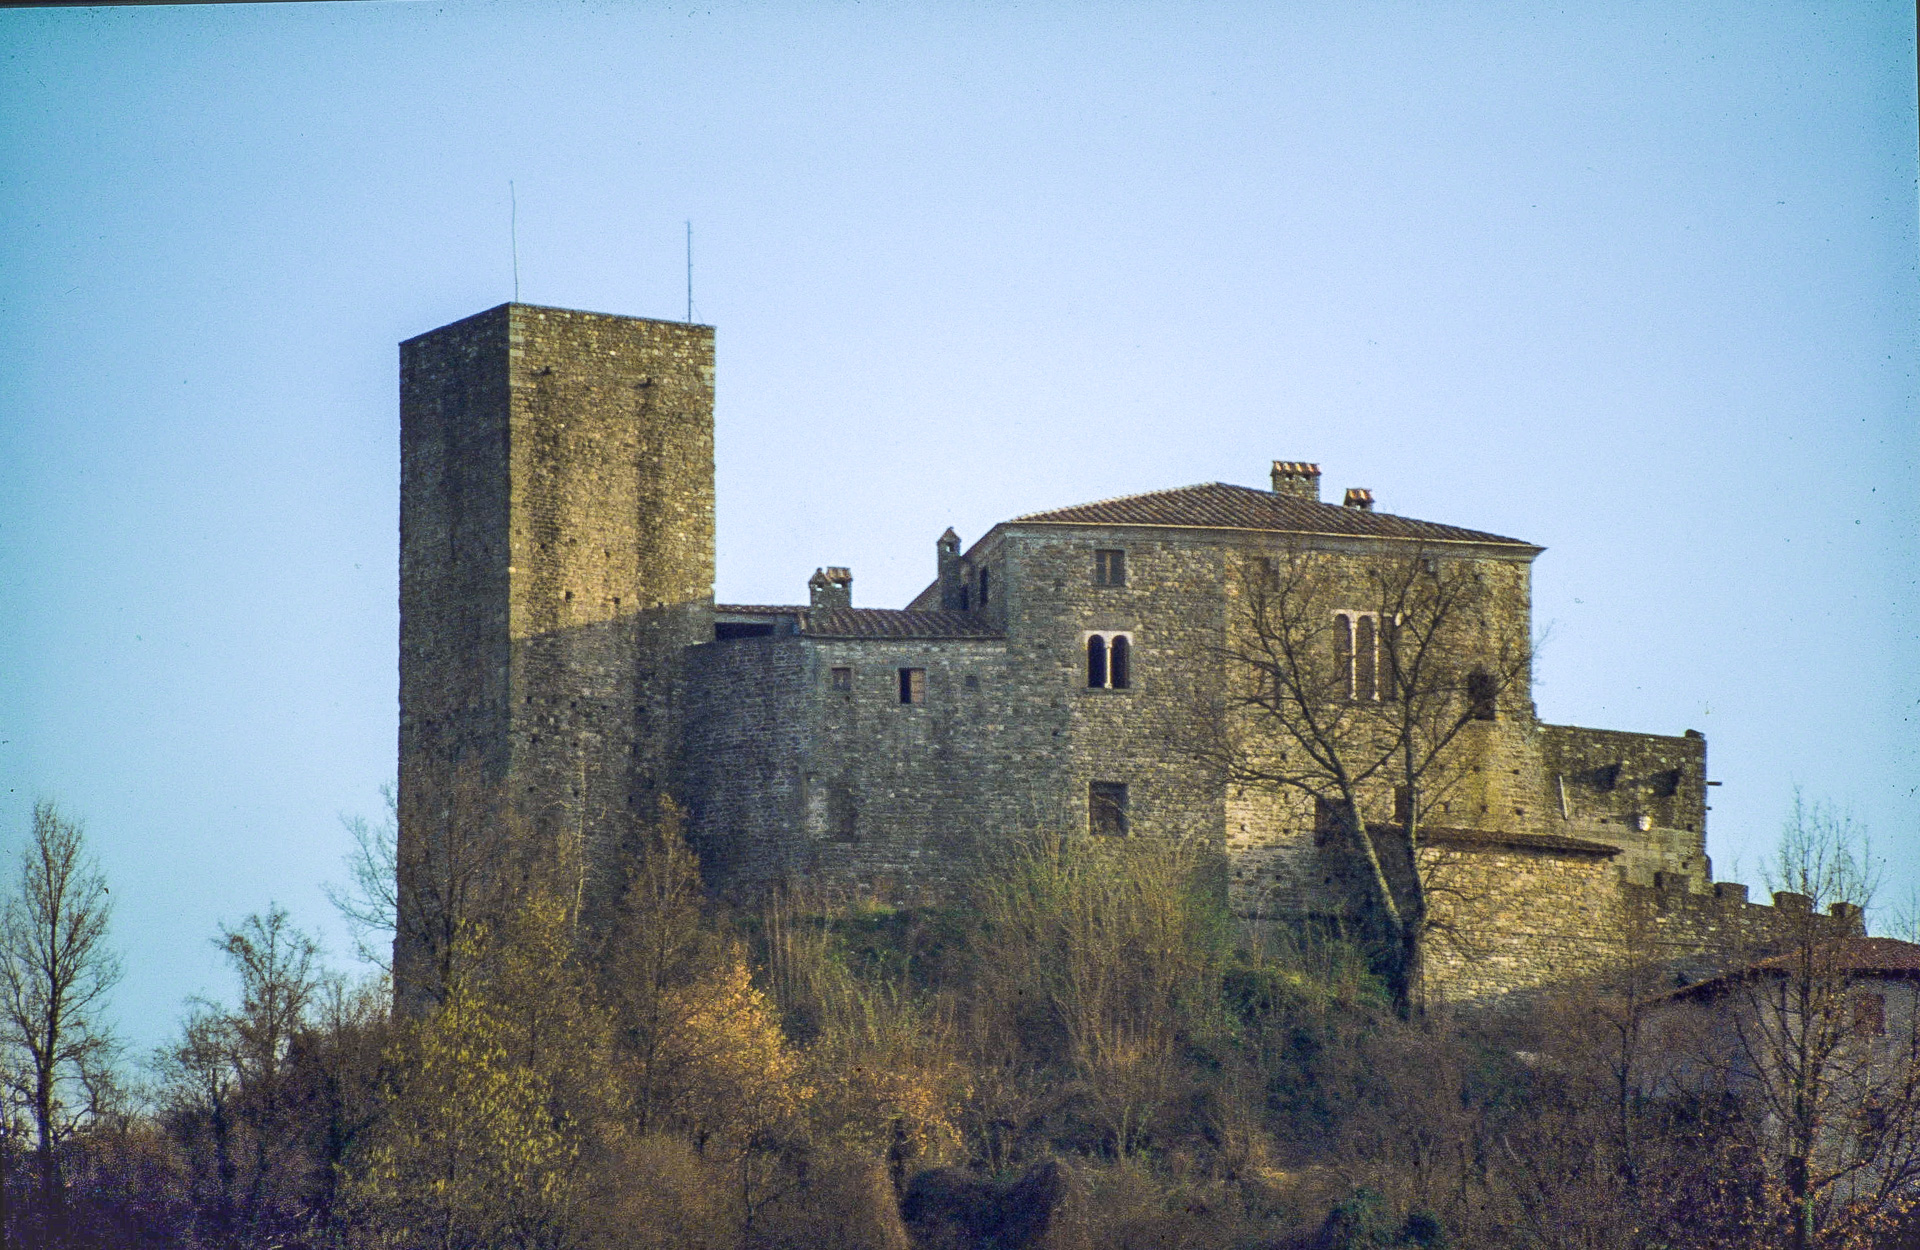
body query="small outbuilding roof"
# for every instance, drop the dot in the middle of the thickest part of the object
(1222, 505)
(893, 623)
(1851, 957)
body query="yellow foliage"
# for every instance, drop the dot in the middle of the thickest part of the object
(482, 1141)
(721, 1067)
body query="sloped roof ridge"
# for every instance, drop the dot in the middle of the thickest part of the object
(895, 623)
(1139, 494)
(1225, 505)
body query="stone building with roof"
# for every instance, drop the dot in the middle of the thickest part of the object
(560, 643)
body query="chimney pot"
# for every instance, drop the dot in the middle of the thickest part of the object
(831, 587)
(1358, 497)
(1298, 479)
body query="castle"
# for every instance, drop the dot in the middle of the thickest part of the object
(562, 654)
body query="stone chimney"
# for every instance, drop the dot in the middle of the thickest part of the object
(1297, 478)
(953, 582)
(831, 587)
(1358, 497)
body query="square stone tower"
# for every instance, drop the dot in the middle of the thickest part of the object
(556, 557)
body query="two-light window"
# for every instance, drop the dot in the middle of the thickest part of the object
(1361, 671)
(1109, 568)
(1109, 661)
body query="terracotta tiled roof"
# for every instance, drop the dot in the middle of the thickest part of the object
(1855, 956)
(1859, 954)
(894, 623)
(1221, 505)
(1486, 839)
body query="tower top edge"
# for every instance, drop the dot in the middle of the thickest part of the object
(512, 311)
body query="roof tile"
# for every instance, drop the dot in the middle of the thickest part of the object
(1221, 505)
(894, 623)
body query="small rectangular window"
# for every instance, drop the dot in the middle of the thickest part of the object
(1109, 568)
(1107, 809)
(1483, 698)
(842, 819)
(913, 685)
(842, 679)
(1870, 1015)
(985, 583)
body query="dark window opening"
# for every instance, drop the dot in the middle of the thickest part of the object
(842, 679)
(1329, 822)
(1870, 1015)
(1119, 655)
(1605, 777)
(1389, 658)
(723, 630)
(1666, 784)
(1269, 572)
(1483, 698)
(973, 682)
(1107, 809)
(913, 685)
(984, 596)
(963, 605)
(1365, 652)
(1096, 662)
(1109, 568)
(841, 816)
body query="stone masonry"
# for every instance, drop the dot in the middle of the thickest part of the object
(556, 563)
(562, 658)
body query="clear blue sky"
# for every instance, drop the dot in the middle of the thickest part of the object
(1635, 282)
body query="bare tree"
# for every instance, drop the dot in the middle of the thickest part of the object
(231, 1085)
(457, 864)
(370, 901)
(1351, 680)
(1826, 1057)
(55, 973)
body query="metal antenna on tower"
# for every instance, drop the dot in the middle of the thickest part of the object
(513, 233)
(689, 272)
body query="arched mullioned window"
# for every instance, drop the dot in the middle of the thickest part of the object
(1360, 670)
(1109, 661)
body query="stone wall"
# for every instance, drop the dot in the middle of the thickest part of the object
(556, 560)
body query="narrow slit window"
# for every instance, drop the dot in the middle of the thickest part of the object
(1109, 568)
(1119, 660)
(985, 582)
(1096, 662)
(913, 685)
(1107, 809)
